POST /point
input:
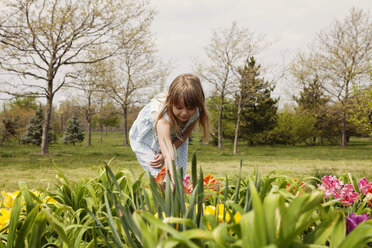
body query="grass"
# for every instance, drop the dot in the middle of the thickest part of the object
(22, 163)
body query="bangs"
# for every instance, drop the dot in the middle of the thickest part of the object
(190, 99)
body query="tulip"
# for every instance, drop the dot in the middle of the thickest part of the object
(4, 217)
(354, 220)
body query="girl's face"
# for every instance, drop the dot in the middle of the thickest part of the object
(182, 113)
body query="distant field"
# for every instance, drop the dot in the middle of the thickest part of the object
(22, 163)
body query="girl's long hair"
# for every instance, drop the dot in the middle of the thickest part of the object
(187, 87)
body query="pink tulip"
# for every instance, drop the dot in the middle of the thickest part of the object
(364, 185)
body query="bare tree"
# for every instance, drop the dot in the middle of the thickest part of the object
(132, 73)
(227, 50)
(106, 113)
(339, 58)
(85, 82)
(39, 38)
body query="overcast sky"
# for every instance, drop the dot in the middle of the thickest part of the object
(184, 27)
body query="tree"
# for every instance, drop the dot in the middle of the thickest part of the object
(106, 114)
(21, 109)
(227, 50)
(252, 91)
(74, 132)
(313, 101)
(41, 37)
(66, 110)
(8, 129)
(361, 113)
(86, 83)
(340, 57)
(34, 130)
(128, 77)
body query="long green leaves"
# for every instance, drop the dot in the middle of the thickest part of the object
(119, 210)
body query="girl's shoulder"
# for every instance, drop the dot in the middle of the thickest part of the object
(157, 102)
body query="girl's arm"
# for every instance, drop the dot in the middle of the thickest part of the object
(158, 160)
(163, 130)
(177, 142)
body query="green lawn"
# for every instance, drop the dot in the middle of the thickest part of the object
(22, 163)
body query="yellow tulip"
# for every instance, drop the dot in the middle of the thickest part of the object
(9, 198)
(4, 217)
(49, 200)
(212, 210)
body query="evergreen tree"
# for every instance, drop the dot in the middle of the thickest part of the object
(313, 101)
(258, 108)
(34, 130)
(74, 132)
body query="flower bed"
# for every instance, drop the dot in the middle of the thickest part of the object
(118, 210)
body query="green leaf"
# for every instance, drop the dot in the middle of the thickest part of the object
(259, 218)
(26, 227)
(58, 227)
(111, 223)
(38, 228)
(193, 170)
(14, 219)
(271, 210)
(325, 229)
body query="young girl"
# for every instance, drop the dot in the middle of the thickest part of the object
(166, 121)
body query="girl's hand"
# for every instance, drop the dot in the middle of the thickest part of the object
(158, 161)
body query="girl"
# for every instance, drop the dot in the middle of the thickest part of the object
(166, 121)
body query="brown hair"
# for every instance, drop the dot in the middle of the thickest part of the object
(187, 87)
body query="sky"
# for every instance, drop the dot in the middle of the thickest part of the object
(184, 27)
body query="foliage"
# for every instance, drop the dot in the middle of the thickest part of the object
(293, 128)
(15, 115)
(258, 121)
(228, 49)
(119, 209)
(361, 113)
(34, 130)
(340, 57)
(228, 118)
(74, 132)
(22, 102)
(8, 129)
(39, 38)
(256, 109)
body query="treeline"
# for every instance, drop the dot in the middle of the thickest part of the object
(314, 120)
(104, 55)
(333, 78)
(22, 121)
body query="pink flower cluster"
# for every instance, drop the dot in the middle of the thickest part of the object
(364, 185)
(187, 185)
(336, 189)
(366, 188)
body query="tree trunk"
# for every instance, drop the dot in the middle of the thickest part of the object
(343, 131)
(344, 109)
(89, 120)
(89, 132)
(126, 142)
(47, 116)
(220, 123)
(62, 122)
(237, 126)
(101, 129)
